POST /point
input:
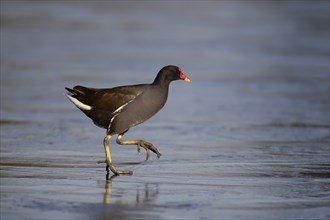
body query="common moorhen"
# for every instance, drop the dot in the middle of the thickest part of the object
(120, 108)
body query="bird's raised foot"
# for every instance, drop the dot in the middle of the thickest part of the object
(147, 146)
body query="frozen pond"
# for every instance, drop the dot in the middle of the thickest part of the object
(248, 138)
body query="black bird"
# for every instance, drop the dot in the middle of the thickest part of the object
(120, 108)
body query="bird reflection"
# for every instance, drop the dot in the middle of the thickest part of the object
(142, 197)
(108, 186)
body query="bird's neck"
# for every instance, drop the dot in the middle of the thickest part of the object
(161, 83)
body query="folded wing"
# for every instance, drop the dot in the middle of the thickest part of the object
(102, 104)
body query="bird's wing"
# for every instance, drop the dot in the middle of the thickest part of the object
(106, 99)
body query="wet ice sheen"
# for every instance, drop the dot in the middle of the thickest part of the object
(248, 138)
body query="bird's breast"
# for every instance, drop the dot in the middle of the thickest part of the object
(139, 110)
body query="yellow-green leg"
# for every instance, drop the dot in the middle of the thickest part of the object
(109, 160)
(140, 143)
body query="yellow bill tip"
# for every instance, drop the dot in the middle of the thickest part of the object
(187, 79)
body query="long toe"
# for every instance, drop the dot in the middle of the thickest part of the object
(124, 172)
(117, 171)
(147, 150)
(151, 147)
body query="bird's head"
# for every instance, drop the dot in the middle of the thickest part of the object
(170, 73)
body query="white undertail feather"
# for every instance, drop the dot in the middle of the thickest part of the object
(78, 103)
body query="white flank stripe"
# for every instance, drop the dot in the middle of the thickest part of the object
(117, 111)
(121, 107)
(79, 104)
(113, 118)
